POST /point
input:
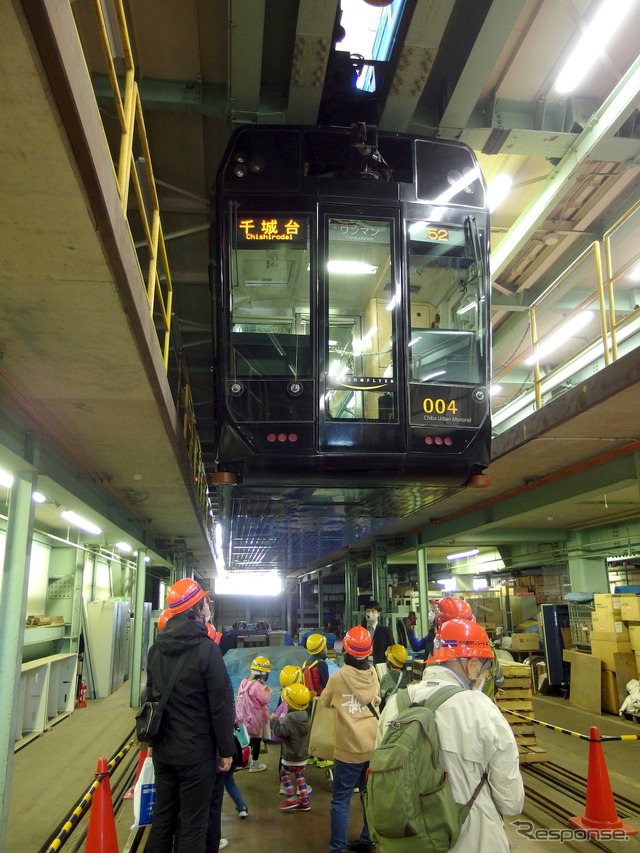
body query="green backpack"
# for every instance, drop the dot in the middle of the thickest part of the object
(408, 799)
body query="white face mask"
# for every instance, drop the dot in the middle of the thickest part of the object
(372, 616)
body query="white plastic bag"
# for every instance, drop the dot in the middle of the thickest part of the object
(144, 795)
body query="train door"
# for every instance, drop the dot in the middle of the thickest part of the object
(361, 409)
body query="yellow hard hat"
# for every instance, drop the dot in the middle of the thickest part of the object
(316, 643)
(297, 696)
(260, 664)
(290, 674)
(397, 655)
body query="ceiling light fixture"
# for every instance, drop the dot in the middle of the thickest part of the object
(123, 546)
(351, 268)
(460, 555)
(498, 190)
(38, 497)
(592, 43)
(6, 479)
(82, 523)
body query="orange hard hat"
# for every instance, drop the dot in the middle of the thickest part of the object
(357, 642)
(184, 594)
(452, 608)
(214, 635)
(460, 638)
(163, 618)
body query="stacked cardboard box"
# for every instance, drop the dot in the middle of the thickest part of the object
(615, 639)
(517, 697)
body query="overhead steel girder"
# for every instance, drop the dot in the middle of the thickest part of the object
(246, 37)
(314, 32)
(419, 50)
(496, 30)
(601, 126)
(618, 472)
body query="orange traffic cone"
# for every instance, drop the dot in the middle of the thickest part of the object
(101, 835)
(600, 809)
(141, 757)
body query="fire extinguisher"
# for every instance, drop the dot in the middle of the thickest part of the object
(82, 696)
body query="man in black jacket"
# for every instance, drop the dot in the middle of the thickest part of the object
(196, 732)
(381, 636)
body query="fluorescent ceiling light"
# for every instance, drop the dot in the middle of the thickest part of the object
(466, 307)
(248, 583)
(38, 497)
(634, 275)
(80, 522)
(6, 479)
(123, 546)
(460, 555)
(560, 336)
(448, 584)
(458, 186)
(351, 267)
(414, 341)
(495, 390)
(592, 43)
(433, 375)
(498, 190)
(265, 282)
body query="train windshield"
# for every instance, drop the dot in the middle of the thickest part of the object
(270, 297)
(446, 304)
(361, 326)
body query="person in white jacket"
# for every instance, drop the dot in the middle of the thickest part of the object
(474, 736)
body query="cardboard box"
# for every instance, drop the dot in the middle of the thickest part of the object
(607, 602)
(528, 642)
(630, 607)
(608, 623)
(609, 693)
(634, 636)
(605, 650)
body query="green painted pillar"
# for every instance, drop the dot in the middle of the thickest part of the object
(13, 609)
(350, 590)
(138, 629)
(379, 577)
(586, 573)
(422, 617)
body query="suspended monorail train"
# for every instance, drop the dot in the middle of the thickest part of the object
(352, 335)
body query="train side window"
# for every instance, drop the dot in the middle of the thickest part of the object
(362, 307)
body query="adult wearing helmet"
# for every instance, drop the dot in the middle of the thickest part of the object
(354, 695)
(474, 737)
(397, 676)
(252, 708)
(456, 608)
(381, 636)
(197, 723)
(452, 608)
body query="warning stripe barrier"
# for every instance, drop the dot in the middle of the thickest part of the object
(599, 739)
(83, 804)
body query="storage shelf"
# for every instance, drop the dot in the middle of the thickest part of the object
(43, 634)
(46, 693)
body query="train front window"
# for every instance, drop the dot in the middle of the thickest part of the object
(361, 324)
(269, 313)
(445, 304)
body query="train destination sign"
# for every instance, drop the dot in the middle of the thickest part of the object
(255, 231)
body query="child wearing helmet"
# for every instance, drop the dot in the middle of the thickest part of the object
(477, 746)
(315, 669)
(353, 693)
(252, 708)
(293, 731)
(397, 676)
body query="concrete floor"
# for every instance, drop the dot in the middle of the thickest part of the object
(52, 772)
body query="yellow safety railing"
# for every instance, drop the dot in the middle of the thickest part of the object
(158, 281)
(540, 305)
(625, 228)
(132, 128)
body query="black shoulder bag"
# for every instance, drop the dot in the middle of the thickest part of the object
(149, 717)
